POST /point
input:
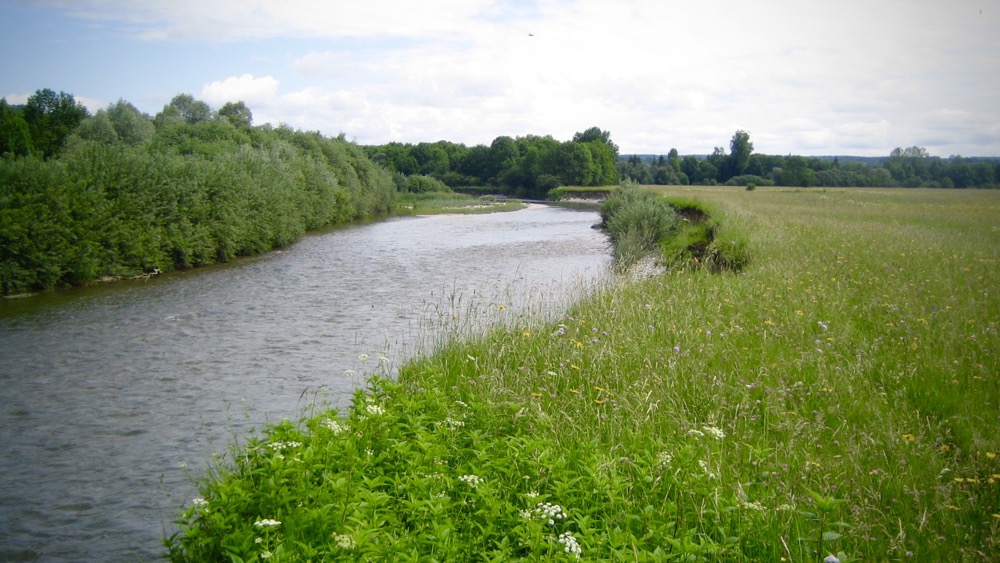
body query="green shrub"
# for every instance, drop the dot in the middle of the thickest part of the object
(425, 184)
(194, 195)
(636, 221)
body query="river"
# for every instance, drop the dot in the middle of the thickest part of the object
(114, 399)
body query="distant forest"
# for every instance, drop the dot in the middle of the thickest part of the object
(530, 166)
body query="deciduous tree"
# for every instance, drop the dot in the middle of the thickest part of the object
(51, 118)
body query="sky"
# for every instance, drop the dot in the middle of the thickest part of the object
(806, 77)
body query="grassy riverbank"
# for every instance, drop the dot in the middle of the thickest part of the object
(837, 396)
(435, 203)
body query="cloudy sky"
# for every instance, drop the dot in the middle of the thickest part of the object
(855, 77)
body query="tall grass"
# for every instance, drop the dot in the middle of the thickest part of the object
(839, 396)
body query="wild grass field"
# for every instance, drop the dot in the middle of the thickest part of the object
(836, 399)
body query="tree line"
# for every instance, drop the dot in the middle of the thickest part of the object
(530, 166)
(526, 166)
(911, 167)
(119, 193)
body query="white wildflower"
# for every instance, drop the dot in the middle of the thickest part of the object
(664, 459)
(546, 511)
(363, 358)
(265, 555)
(199, 502)
(572, 546)
(755, 505)
(343, 541)
(278, 446)
(696, 433)
(374, 409)
(714, 432)
(471, 480)
(266, 523)
(334, 426)
(462, 404)
(453, 423)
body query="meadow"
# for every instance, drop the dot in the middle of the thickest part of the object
(836, 397)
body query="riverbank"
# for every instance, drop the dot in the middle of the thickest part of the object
(837, 396)
(116, 397)
(435, 203)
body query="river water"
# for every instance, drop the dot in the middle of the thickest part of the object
(114, 399)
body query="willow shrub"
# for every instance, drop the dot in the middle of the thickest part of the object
(192, 195)
(636, 222)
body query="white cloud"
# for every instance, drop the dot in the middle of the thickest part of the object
(799, 76)
(228, 20)
(243, 88)
(17, 99)
(92, 104)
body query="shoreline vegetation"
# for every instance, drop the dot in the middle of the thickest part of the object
(120, 195)
(834, 398)
(123, 195)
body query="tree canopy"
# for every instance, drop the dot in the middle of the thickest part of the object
(527, 166)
